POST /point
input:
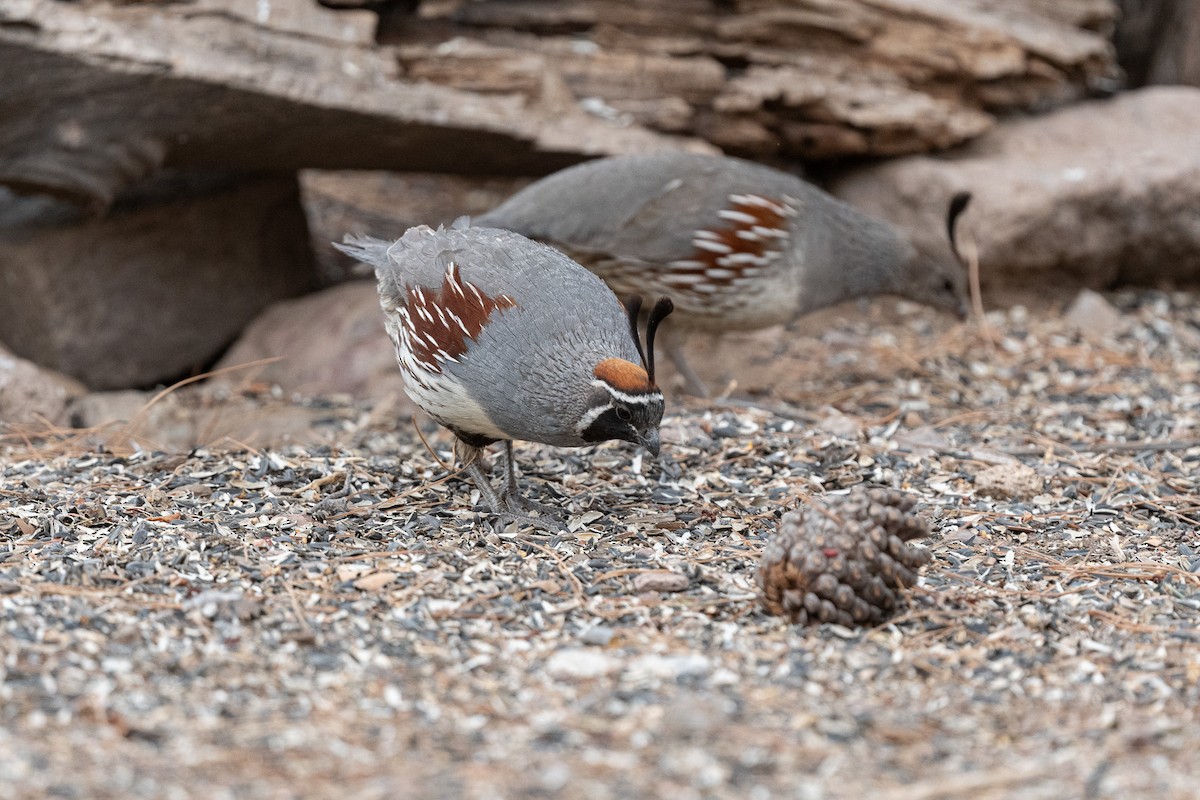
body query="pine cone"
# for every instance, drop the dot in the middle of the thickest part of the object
(844, 560)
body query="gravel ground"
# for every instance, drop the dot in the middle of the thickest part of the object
(337, 620)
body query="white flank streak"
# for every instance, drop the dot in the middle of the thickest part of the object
(452, 273)
(424, 314)
(710, 235)
(718, 274)
(789, 205)
(704, 288)
(475, 292)
(441, 395)
(712, 247)
(734, 259)
(762, 202)
(441, 316)
(687, 263)
(770, 233)
(458, 321)
(737, 216)
(749, 236)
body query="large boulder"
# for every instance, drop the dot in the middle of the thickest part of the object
(331, 342)
(155, 289)
(31, 395)
(386, 204)
(1158, 41)
(98, 96)
(1100, 194)
(202, 416)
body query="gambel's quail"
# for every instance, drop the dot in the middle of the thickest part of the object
(501, 338)
(737, 245)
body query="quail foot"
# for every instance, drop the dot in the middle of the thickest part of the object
(501, 338)
(737, 245)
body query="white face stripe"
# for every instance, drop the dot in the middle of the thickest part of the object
(591, 416)
(633, 399)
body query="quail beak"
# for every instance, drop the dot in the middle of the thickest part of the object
(650, 441)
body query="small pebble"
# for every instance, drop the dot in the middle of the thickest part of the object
(580, 664)
(1008, 481)
(599, 635)
(660, 580)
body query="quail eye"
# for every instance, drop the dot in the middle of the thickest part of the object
(624, 414)
(948, 285)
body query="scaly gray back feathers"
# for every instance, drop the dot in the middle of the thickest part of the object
(685, 224)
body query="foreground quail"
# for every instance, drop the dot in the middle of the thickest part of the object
(501, 338)
(737, 245)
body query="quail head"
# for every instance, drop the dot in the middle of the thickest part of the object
(737, 245)
(501, 338)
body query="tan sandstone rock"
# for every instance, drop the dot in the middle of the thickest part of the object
(1095, 195)
(332, 341)
(31, 395)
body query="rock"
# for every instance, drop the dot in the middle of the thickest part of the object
(672, 667)
(1008, 482)
(926, 440)
(660, 580)
(386, 204)
(695, 715)
(1097, 194)
(581, 664)
(100, 409)
(332, 341)
(1093, 316)
(598, 635)
(155, 289)
(31, 395)
(288, 88)
(375, 581)
(191, 417)
(813, 80)
(304, 19)
(1158, 41)
(837, 423)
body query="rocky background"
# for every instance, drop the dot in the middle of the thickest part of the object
(234, 564)
(171, 172)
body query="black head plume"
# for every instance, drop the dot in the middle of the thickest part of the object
(958, 204)
(662, 309)
(633, 307)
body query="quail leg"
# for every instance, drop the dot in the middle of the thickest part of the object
(693, 385)
(471, 458)
(511, 495)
